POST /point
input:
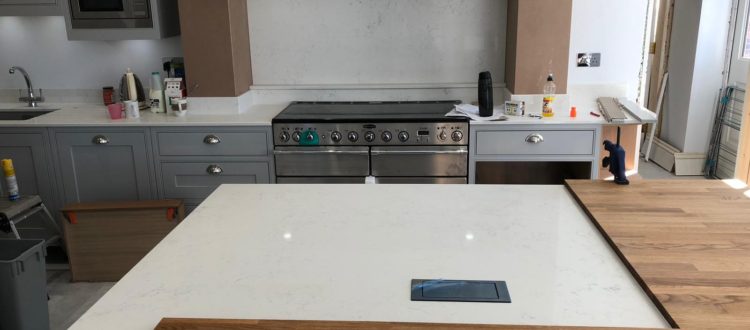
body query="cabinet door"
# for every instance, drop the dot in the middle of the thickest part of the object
(104, 166)
(30, 8)
(30, 160)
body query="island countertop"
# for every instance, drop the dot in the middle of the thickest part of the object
(348, 252)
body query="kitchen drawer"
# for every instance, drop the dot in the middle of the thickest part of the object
(212, 143)
(198, 180)
(539, 142)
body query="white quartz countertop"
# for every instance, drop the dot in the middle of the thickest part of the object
(349, 252)
(77, 115)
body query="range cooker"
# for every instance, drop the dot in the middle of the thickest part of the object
(371, 142)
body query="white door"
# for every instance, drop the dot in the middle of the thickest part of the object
(740, 61)
(739, 64)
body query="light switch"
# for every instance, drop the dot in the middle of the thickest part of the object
(586, 60)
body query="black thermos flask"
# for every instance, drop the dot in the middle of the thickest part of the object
(486, 105)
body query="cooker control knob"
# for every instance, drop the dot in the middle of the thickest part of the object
(457, 136)
(442, 136)
(403, 136)
(296, 136)
(284, 136)
(353, 136)
(386, 136)
(369, 136)
(310, 136)
(336, 136)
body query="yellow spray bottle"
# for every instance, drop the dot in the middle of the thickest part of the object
(10, 179)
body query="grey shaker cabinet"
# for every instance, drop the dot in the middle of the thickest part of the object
(191, 162)
(104, 165)
(30, 153)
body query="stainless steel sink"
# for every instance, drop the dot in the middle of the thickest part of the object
(23, 113)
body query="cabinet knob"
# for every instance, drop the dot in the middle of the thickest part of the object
(211, 139)
(214, 170)
(100, 139)
(535, 138)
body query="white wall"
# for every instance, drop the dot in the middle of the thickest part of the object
(615, 29)
(696, 62)
(319, 42)
(40, 45)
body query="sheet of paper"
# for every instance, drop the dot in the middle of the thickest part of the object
(472, 112)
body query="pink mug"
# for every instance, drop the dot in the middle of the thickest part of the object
(115, 110)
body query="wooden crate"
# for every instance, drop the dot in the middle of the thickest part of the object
(105, 240)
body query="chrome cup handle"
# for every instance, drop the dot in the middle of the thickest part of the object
(100, 139)
(211, 139)
(535, 138)
(214, 170)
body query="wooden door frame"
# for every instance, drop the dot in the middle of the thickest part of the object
(661, 57)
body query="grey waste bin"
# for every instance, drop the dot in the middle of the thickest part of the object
(23, 285)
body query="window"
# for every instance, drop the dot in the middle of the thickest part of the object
(746, 43)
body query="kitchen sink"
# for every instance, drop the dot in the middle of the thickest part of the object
(23, 113)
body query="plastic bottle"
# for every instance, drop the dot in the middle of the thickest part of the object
(10, 179)
(573, 112)
(157, 94)
(549, 96)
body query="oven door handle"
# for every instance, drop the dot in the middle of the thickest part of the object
(320, 152)
(460, 151)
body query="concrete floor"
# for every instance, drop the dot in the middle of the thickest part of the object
(651, 171)
(68, 301)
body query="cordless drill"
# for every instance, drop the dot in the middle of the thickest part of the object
(616, 160)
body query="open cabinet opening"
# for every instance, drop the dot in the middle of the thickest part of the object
(531, 172)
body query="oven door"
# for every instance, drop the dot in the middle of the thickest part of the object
(109, 9)
(419, 161)
(322, 161)
(421, 180)
(320, 180)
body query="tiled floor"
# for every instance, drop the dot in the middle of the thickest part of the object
(68, 301)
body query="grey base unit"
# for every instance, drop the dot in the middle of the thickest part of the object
(193, 161)
(195, 181)
(533, 154)
(104, 165)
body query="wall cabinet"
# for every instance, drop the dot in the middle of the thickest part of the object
(30, 8)
(104, 165)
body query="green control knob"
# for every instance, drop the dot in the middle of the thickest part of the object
(309, 138)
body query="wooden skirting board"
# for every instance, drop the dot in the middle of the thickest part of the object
(686, 242)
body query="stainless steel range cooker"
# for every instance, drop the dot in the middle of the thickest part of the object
(371, 142)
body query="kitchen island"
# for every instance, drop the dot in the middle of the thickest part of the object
(349, 252)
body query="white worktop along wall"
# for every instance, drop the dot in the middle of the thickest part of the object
(40, 45)
(334, 42)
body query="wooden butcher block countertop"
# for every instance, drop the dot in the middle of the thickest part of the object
(687, 242)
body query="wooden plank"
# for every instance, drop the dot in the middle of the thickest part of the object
(125, 205)
(217, 324)
(686, 242)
